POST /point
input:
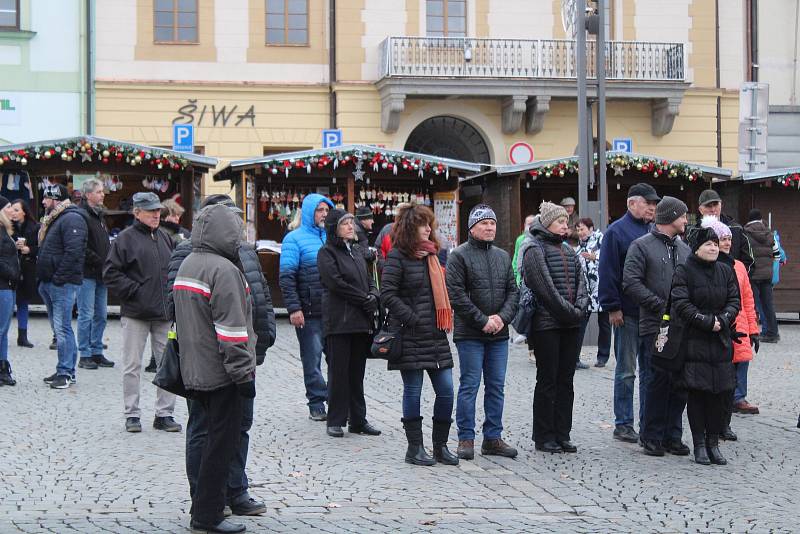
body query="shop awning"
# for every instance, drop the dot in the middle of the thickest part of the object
(330, 157)
(785, 176)
(99, 150)
(618, 162)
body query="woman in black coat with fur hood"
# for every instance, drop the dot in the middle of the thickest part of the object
(705, 298)
(349, 303)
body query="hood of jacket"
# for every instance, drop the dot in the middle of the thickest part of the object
(758, 230)
(310, 204)
(219, 230)
(331, 225)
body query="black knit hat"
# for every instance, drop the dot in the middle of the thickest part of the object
(699, 236)
(754, 215)
(3, 202)
(669, 209)
(334, 218)
(364, 213)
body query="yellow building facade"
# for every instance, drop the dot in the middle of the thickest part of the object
(465, 79)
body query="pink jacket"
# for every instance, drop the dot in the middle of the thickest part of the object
(746, 320)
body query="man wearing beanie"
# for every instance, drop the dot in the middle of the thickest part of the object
(568, 203)
(622, 311)
(647, 280)
(710, 203)
(363, 221)
(764, 254)
(483, 293)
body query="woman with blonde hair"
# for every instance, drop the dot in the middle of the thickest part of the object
(413, 289)
(9, 275)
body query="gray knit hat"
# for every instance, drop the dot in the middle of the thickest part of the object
(669, 209)
(479, 213)
(549, 213)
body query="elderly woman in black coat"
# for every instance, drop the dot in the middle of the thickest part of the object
(349, 302)
(705, 299)
(413, 288)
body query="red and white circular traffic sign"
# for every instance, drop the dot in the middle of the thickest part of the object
(520, 153)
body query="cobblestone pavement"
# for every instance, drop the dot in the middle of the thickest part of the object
(68, 465)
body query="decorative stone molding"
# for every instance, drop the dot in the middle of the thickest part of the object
(537, 106)
(513, 111)
(392, 105)
(664, 112)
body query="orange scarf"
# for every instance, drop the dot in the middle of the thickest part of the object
(444, 312)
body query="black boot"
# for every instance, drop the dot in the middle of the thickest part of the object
(714, 454)
(416, 453)
(151, 367)
(6, 378)
(22, 338)
(441, 431)
(700, 452)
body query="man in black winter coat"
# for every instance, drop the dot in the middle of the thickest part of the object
(136, 271)
(711, 204)
(59, 269)
(483, 292)
(239, 500)
(93, 294)
(364, 221)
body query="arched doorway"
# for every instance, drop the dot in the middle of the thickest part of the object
(449, 137)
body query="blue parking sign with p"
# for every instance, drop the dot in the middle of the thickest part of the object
(623, 144)
(331, 138)
(183, 137)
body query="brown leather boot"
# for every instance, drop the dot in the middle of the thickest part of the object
(466, 449)
(497, 447)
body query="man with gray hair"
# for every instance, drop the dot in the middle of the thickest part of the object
(136, 271)
(93, 294)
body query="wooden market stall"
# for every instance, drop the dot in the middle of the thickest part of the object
(520, 189)
(776, 193)
(125, 168)
(270, 190)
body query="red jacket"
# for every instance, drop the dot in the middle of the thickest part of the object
(746, 320)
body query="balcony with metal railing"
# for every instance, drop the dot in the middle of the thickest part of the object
(526, 74)
(457, 57)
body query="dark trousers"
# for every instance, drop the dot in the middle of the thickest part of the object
(663, 418)
(553, 396)
(347, 359)
(223, 409)
(706, 411)
(603, 336)
(762, 293)
(196, 436)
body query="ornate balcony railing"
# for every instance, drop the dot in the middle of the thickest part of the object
(458, 57)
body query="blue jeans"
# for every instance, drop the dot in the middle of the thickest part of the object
(740, 393)
(6, 311)
(59, 301)
(442, 382)
(489, 358)
(92, 299)
(196, 436)
(22, 314)
(310, 339)
(628, 349)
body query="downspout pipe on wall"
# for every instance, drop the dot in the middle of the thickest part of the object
(753, 40)
(90, 120)
(719, 85)
(332, 63)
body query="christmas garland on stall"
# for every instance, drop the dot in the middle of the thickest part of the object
(621, 163)
(789, 179)
(376, 160)
(84, 151)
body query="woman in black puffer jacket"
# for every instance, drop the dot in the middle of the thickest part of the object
(553, 273)
(9, 276)
(349, 303)
(413, 289)
(705, 298)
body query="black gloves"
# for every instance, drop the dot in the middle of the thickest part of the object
(371, 304)
(755, 343)
(736, 336)
(247, 389)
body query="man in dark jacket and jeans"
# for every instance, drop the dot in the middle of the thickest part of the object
(238, 498)
(765, 254)
(59, 268)
(647, 281)
(214, 321)
(93, 294)
(622, 311)
(136, 270)
(483, 293)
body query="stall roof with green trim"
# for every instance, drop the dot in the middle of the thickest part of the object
(74, 149)
(618, 161)
(785, 176)
(324, 157)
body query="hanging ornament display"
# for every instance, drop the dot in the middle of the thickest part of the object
(659, 168)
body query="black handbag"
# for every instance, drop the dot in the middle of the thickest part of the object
(525, 311)
(168, 376)
(387, 344)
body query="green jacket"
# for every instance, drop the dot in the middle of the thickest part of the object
(515, 260)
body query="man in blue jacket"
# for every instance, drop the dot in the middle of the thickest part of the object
(302, 295)
(59, 269)
(623, 312)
